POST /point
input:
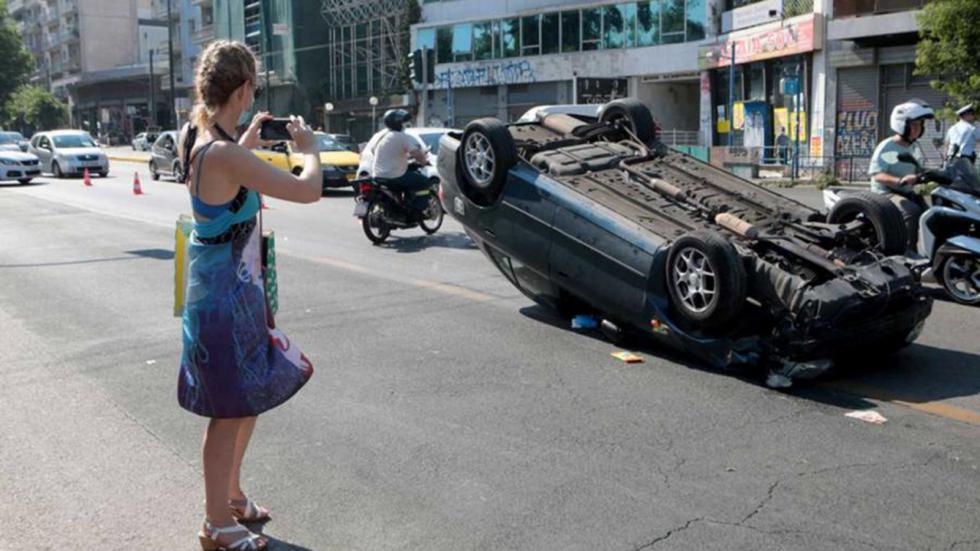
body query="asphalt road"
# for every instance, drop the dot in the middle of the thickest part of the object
(447, 411)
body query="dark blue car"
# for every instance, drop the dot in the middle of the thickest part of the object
(595, 216)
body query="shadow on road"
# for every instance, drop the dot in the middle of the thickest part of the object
(420, 243)
(15, 184)
(917, 374)
(276, 544)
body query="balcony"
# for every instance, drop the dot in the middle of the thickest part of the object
(202, 35)
(855, 8)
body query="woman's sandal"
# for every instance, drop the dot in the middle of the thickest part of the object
(248, 542)
(246, 510)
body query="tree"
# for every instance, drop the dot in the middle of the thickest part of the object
(35, 107)
(16, 63)
(949, 49)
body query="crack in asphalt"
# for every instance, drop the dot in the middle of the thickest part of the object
(955, 544)
(669, 533)
(761, 504)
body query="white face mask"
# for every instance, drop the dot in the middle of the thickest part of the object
(245, 117)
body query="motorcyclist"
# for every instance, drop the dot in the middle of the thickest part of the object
(894, 178)
(962, 136)
(392, 148)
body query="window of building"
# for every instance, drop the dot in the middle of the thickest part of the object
(426, 38)
(697, 19)
(510, 33)
(570, 26)
(444, 44)
(619, 25)
(592, 28)
(463, 42)
(672, 21)
(550, 33)
(648, 23)
(531, 35)
(483, 40)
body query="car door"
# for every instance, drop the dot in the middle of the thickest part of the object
(600, 256)
(520, 225)
(165, 153)
(42, 148)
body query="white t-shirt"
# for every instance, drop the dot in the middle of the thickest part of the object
(964, 135)
(390, 151)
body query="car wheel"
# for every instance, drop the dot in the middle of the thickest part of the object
(633, 114)
(432, 218)
(25, 181)
(375, 227)
(153, 171)
(960, 276)
(705, 278)
(56, 170)
(177, 172)
(884, 228)
(103, 174)
(486, 155)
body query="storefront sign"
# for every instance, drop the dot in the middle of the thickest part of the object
(599, 90)
(793, 36)
(816, 146)
(787, 119)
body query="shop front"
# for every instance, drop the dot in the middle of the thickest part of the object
(757, 108)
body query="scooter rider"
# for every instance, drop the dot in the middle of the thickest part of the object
(895, 178)
(392, 149)
(962, 136)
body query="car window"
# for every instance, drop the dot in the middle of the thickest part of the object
(9, 137)
(44, 142)
(431, 140)
(325, 143)
(74, 140)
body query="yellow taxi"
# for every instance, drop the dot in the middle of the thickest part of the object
(338, 163)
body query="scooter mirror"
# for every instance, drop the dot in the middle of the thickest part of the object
(908, 158)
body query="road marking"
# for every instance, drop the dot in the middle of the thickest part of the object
(940, 409)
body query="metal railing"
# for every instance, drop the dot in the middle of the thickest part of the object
(851, 8)
(793, 8)
(680, 137)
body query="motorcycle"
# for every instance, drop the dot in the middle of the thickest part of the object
(949, 230)
(382, 209)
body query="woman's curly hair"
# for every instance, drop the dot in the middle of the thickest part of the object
(223, 67)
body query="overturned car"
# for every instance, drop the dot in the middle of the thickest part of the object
(594, 215)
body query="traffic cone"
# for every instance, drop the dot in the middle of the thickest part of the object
(262, 203)
(137, 188)
(86, 178)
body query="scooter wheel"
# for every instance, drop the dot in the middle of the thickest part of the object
(375, 227)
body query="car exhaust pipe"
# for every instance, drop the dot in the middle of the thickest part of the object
(737, 226)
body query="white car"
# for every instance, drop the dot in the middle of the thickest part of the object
(428, 139)
(17, 165)
(536, 114)
(64, 152)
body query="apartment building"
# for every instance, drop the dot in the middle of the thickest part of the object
(192, 24)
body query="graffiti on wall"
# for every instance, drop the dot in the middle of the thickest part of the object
(491, 74)
(857, 132)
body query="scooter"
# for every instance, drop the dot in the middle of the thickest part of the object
(382, 209)
(949, 230)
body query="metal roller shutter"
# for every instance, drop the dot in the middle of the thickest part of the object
(857, 120)
(899, 86)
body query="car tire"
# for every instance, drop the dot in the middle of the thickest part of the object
(104, 174)
(890, 235)
(153, 171)
(635, 113)
(24, 181)
(486, 154)
(431, 226)
(178, 172)
(56, 170)
(706, 279)
(375, 228)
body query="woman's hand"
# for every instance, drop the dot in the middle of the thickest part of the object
(250, 139)
(303, 138)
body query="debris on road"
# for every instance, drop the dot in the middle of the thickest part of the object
(868, 416)
(584, 322)
(627, 357)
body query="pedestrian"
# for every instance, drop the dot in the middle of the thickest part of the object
(782, 145)
(895, 178)
(235, 363)
(961, 139)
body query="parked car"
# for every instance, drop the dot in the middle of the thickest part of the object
(338, 163)
(598, 217)
(164, 158)
(17, 165)
(67, 152)
(13, 141)
(139, 142)
(428, 138)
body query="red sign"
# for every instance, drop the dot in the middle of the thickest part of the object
(769, 41)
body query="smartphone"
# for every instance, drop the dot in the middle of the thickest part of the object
(275, 130)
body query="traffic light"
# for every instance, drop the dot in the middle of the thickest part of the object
(415, 66)
(430, 65)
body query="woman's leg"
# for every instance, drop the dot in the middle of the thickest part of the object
(241, 444)
(219, 457)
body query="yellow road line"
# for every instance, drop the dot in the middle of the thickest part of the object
(940, 409)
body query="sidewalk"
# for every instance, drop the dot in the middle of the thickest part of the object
(127, 154)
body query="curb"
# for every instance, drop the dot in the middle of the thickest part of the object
(127, 159)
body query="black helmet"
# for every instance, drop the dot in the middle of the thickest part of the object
(395, 119)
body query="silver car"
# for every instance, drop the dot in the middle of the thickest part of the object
(69, 152)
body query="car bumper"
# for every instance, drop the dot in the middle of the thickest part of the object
(18, 172)
(92, 166)
(334, 180)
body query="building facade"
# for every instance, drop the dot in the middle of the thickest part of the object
(192, 28)
(501, 58)
(93, 54)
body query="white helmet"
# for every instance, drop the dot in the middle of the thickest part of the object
(907, 112)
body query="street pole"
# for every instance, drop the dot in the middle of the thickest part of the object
(796, 131)
(153, 110)
(170, 55)
(424, 108)
(267, 29)
(731, 98)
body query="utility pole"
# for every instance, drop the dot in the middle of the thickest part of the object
(153, 105)
(731, 98)
(424, 109)
(170, 53)
(267, 31)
